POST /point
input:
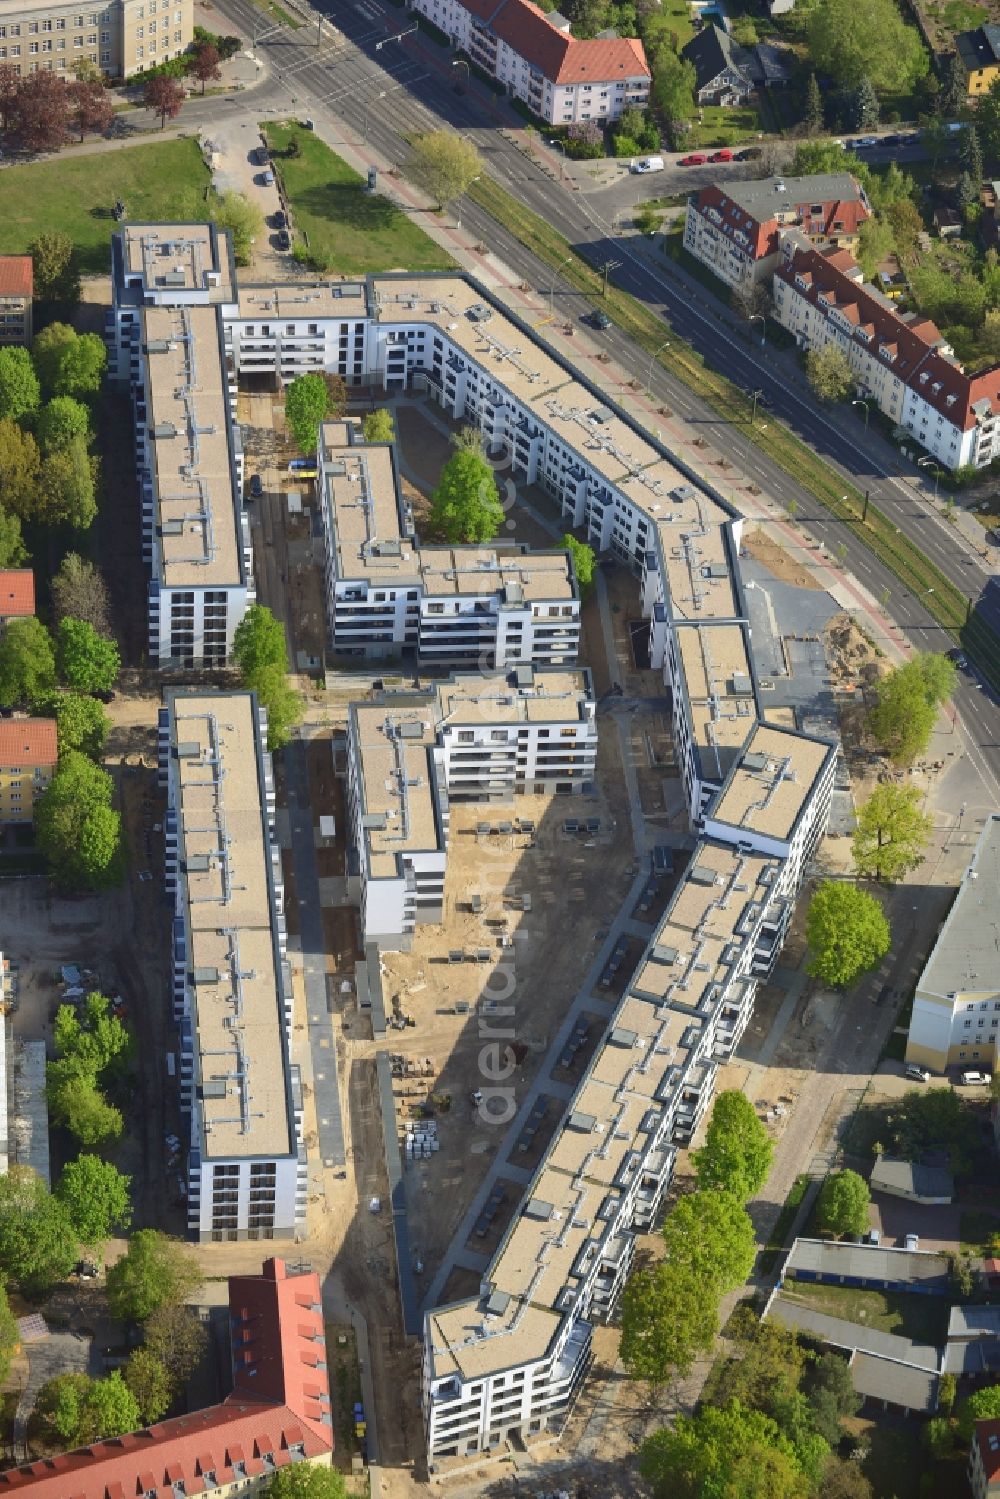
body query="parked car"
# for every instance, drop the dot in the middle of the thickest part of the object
(912, 1241)
(917, 1074)
(284, 240)
(724, 155)
(599, 319)
(976, 1079)
(866, 142)
(959, 657)
(749, 153)
(696, 159)
(261, 156)
(256, 486)
(279, 220)
(648, 164)
(308, 125)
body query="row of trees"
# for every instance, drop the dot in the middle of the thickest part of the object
(42, 110)
(94, 1051)
(261, 657)
(670, 1310)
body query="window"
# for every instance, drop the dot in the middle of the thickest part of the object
(32, 47)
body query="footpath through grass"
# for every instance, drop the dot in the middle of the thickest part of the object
(838, 496)
(348, 229)
(162, 181)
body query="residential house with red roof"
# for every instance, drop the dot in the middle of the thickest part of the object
(17, 594)
(984, 1460)
(278, 1412)
(738, 229)
(16, 294)
(28, 755)
(563, 80)
(901, 362)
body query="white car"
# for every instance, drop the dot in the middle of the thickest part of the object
(976, 1079)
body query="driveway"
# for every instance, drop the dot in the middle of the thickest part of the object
(233, 144)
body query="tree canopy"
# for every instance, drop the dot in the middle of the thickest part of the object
(69, 363)
(907, 699)
(260, 654)
(736, 1156)
(243, 219)
(9, 1335)
(96, 1197)
(20, 391)
(443, 164)
(669, 1316)
(174, 1335)
(466, 504)
(842, 1205)
(156, 1271)
(59, 421)
(90, 1045)
(163, 96)
(76, 827)
(584, 561)
(79, 1410)
(847, 932)
(855, 39)
(27, 664)
(67, 491)
(37, 1243)
(722, 1452)
(150, 1384)
(981, 1405)
(710, 1235)
(302, 1481)
(891, 833)
(80, 592)
(829, 372)
(378, 426)
(20, 467)
(81, 724)
(306, 404)
(87, 661)
(56, 274)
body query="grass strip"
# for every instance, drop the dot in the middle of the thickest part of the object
(779, 1233)
(842, 500)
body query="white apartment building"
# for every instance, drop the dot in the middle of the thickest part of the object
(535, 55)
(901, 362)
(956, 1006)
(232, 994)
(298, 329)
(120, 38)
(492, 606)
(472, 738)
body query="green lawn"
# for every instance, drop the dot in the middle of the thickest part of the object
(351, 230)
(960, 15)
(161, 181)
(922, 1318)
(722, 125)
(677, 14)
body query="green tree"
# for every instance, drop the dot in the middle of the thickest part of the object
(847, 932)
(891, 834)
(67, 493)
(982, 1405)
(81, 724)
(306, 402)
(78, 1409)
(56, 273)
(259, 643)
(669, 1316)
(156, 1271)
(444, 164)
(20, 392)
(60, 1405)
(854, 39)
(584, 562)
(952, 94)
(96, 1197)
(674, 80)
(794, 1418)
(829, 372)
(79, 592)
(842, 1204)
(466, 504)
(947, 1391)
(12, 552)
(970, 154)
(110, 1409)
(966, 193)
(736, 1156)
(720, 1453)
(178, 1340)
(77, 1103)
(47, 351)
(875, 243)
(832, 1396)
(9, 1335)
(767, 1364)
(76, 827)
(283, 705)
(87, 662)
(81, 366)
(938, 1438)
(647, 219)
(27, 664)
(37, 1244)
(843, 1478)
(244, 221)
(907, 699)
(864, 106)
(378, 426)
(59, 421)
(812, 111)
(20, 467)
(93, 1035)
(744, 32)
(710, 1235)
(306, 1482)
(150, 1385)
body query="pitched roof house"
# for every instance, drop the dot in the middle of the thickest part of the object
(727, 73)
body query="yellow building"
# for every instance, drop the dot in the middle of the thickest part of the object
(120, 36)
(979, 53)
(28, 756)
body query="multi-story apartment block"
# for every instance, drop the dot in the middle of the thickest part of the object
(16, 296)
(120, 38)
(286, 331)
(738, 230)
(956, 1007)
(979, 53)
(472, 738)
(17, 595)
(163, 265)
(984, 1455)
(561, 79)
(901, 362)
(277, 1415)
(29, 754)
(232, 994)
(492, 606)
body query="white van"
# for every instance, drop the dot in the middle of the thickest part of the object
(648, 164)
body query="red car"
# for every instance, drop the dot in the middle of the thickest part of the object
(724, 155)
(697, 160)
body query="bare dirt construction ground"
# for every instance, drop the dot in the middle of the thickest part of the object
(855, 667)
(777, 560)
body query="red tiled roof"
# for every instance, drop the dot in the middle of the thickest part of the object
(830, 281)
(762, 234)
(16, 276)
(28, 741)
(17, 592)
(987, 1438)
(267, 1415)
(561, 57)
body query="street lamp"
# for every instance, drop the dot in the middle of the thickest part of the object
(859, 402)
(555, 276)
(923, 463)
(563, 158)
(458, 211)
(460, 62)
(758, 317)
(753, 410)
(652, 357)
